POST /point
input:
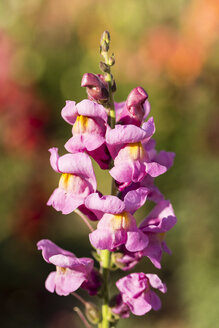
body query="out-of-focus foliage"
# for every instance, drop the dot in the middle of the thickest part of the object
(171, 49)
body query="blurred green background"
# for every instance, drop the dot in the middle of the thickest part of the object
(171, 49)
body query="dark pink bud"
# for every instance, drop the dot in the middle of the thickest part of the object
(96, 89)
(135, 102)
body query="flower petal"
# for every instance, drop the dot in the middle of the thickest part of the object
(84, 265)
(136, 241)
(134, 199)
(138, 306)
(69, 282)
(155, 282)
(79, 164)
(125, 134)
(50, 282)
(64, 202)
(104, 204)
(69, 112)
(89, 108)
(155, 301)
(54, 157)
(49, 249)
(154, 169)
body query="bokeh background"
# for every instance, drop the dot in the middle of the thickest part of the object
(171, 49)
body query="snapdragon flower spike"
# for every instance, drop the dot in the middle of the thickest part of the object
(131, 161)
(117, 225)
(160, 220)
(76, 183)
(89, 121)
(135, 109)
(71, 272)
(136, 292)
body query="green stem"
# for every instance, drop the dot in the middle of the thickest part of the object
(105, 255)
(105, 262)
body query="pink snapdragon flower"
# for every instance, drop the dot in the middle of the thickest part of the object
(136, 292)
(89, 121)
(131, 161)
(76, 183)
(117, 225)
(71, 272)
(160, 220)
(135, 109)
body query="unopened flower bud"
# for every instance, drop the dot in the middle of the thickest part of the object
(106, 36)
(135, 102)
(96, 89)
(114, 86)
(104, 42)
(92, 313)
(104, 67)
(111, 60)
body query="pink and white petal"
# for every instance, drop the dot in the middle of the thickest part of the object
(132, 285)
(138, 306)
(136, 241)
(101, 239)
(92, 141)
(49, 249)
(69, 112)
(75, 144)
(105, 204)
(155, 282)
(79, 164)
(135, 199)
(122, 172)
(54, 157)
(50, 282)
(163, 211)
(154, 169)
(89, 108)
(69, 282)
(73, 263)
(124, 134)
(149, 128)
(64, 202)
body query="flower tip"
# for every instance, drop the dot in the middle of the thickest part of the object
(136, 97)
(89, 79)
(105, 36)
(96, 89)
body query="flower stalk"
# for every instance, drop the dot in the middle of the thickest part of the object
(118, 137)
(105, 254)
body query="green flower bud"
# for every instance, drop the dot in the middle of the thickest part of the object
(104, 67)
(92, 313)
